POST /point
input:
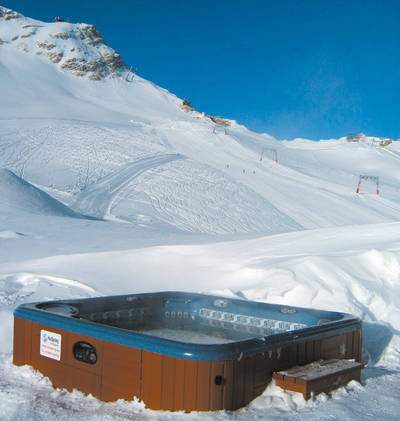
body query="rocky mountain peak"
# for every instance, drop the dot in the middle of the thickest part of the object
(76, 48)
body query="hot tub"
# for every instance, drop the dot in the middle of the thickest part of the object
(175, 350)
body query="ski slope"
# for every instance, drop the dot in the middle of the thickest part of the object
(98, 199)
(109, 187)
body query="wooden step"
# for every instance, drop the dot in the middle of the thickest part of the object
(318, 376)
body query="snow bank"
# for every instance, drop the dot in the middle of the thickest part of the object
(20, 195)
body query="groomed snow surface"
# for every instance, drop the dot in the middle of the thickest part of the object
(109, 187)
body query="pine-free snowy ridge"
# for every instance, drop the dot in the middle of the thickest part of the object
(216, 220)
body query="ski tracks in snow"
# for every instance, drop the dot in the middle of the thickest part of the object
(97, 199)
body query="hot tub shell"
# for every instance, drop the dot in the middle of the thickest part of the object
(98, 346)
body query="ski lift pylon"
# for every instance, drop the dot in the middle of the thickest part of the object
(368, 177)
(273, 151)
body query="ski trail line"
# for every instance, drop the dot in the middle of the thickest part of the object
(97, 199)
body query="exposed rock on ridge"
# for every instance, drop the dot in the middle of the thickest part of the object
(76, 48)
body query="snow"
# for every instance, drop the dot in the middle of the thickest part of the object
(9, 234)
(319, 369)
(19, 194)
(109, 187)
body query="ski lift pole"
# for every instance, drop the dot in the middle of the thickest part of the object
(132, 72)
(358, 187)
(274, 153)
(127, 75)
(369, 177)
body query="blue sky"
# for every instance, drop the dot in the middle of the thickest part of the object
(290, 68)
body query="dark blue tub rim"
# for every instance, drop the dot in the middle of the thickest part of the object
(191, 351)
(188, 296)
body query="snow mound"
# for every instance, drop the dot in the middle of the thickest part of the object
(18, 194)
(22, 287)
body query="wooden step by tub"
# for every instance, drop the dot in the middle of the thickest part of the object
(319, 376)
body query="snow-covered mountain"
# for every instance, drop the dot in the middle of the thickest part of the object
(110, 184)
(77, 48)
(110, 137)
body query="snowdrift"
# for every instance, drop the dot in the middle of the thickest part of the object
(21, 196)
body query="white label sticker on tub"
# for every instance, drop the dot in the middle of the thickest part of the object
(50, 345)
